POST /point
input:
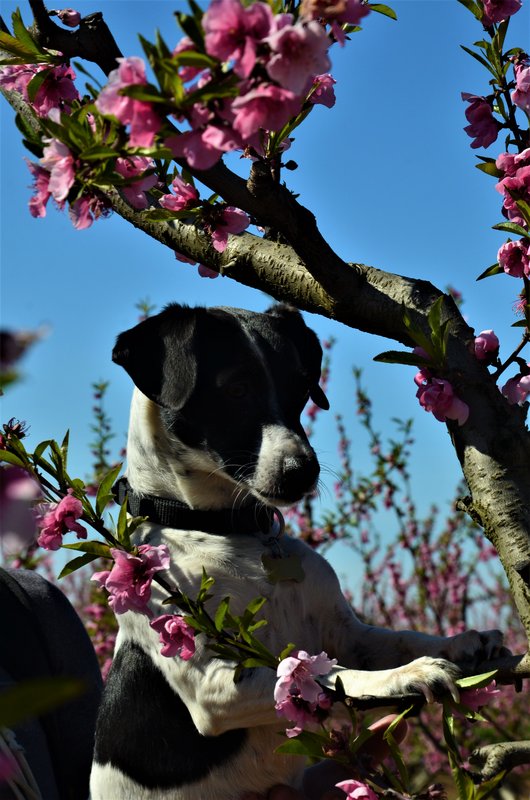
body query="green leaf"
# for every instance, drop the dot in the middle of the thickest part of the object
(77, 563)
(495, 269)
(6, 456)
(473, 7)
(12, 45)
(220, 614)
(104, 490)
(305, 744)
(98, 549)
(191, 58)
(379, 8)
(22, 33)
(490, 168)
(485, 789)
(524, 208)
(146, 92)
(511, 227)
(479, 58)
(521, 323)
(97, 152)
(476, 681)
(36, 82)
(286, 651)
(402, 357)
(32, 698)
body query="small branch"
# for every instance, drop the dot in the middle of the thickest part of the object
(494, 758)
(92, 40)
(524, 341)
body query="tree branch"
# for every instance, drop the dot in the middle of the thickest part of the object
(92, 40)
(494, 758)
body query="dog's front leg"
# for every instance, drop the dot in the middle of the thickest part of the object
(218, 704)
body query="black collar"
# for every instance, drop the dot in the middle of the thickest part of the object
(175, 514)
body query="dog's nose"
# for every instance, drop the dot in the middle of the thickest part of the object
(299, 475)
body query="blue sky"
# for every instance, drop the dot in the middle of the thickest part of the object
(389, 174)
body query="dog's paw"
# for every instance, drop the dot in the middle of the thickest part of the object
(472, 648)
(433, 677)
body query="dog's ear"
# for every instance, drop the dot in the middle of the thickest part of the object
(308, 346)
(158, 355)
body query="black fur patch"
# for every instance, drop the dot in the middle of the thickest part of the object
(145, 730)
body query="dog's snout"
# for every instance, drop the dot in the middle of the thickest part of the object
(299, 474)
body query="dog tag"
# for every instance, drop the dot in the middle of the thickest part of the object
(286, 568)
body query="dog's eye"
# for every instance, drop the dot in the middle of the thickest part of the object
(237, 390)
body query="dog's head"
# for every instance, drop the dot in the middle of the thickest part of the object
(230, 386)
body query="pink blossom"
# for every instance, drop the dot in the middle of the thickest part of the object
(323, 92)
(299, 52)
(85, 210)
(231, 220)
(18, 492)
(355, 790)
(183, 258)
(521, 95)
(144, 121)
(202, 148)
(133, 168)
(296, 675)
(176, 636)
(69, 17)
(59, 162)
(298, 711)
(514, 258)
(206, 272)
(267, 106)
(486, 346)
(483, 127)
(186, 73)
(57, 90)
(499, 10)
(517, 389)
(41, 183)
(232, 32)
(129, 580)
(185, 195)
(515, 187)
(436, 395)
(59, 519)
(476, 698)
(509, 163)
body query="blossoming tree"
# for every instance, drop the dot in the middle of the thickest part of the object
(151, 147)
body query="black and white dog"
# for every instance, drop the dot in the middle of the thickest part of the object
(215, 427)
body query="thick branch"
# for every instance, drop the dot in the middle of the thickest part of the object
(494, 758)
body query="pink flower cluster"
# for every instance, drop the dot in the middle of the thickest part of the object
(437, 396)
(515, 183)
(278, 62)
(18, 492)
(143, 120)
(176, 636)
(475, 699)
(483, 128)
(498, 10)
(129, 581)
(355, 790)
(56, 519)
(517, 389)
(486, 346)
(139, 171)
(521, 93)
(297, 695)
(514, 258)
(57, 91)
